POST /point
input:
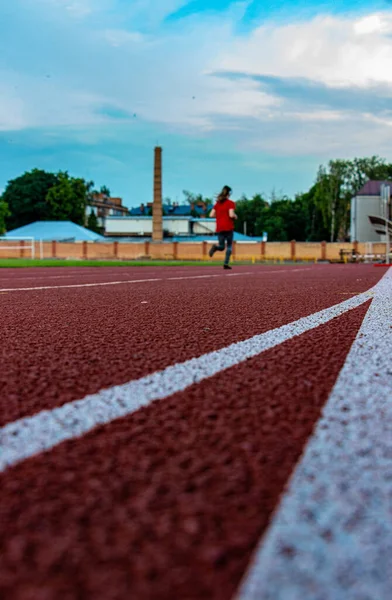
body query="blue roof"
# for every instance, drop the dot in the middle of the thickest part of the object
(169, 210)
(56, 230)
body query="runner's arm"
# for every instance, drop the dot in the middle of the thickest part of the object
(232, 214)
(212, 214)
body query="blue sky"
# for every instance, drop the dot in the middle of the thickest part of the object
(250, 94)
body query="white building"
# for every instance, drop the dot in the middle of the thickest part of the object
(175, 226)
(104, 206)
(367, 202)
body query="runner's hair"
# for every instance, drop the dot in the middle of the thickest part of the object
(225, 193)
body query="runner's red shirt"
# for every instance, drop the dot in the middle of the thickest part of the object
(223, 220)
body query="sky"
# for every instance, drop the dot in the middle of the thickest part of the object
(251, 94)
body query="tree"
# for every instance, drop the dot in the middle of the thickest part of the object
(105, 191)
(314, 228)
(4, 212)
(338, 183)
(251, 212)
(26, 198)
(194, 199)
(333, 195)
(363, 169)
(41, 196)
(92, 223)
(67, 199)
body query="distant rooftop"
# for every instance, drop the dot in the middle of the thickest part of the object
(177, 210)
(55, 230)
(373, 188)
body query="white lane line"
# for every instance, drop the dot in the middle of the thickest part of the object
(76, 285)
(129, 281)
(331, 538)
(35, 277)
(93, 273)
(31, 435)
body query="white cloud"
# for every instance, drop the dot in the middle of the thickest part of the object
(29, 102)
(371, 24)
(167, 77)
(328, 49)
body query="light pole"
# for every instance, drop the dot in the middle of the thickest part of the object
(388, 201)
(387, 198)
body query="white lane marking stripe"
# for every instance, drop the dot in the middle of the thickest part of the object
(31, 435)
(35, 277)
(331, 536)
(76, 285)
(127, 281)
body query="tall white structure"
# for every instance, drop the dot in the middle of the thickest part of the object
(368, 202)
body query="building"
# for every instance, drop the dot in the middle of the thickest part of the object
(104, 206)
(156, 221)
(368, 202)
(172, 226)
(197, 209)
(60, 231)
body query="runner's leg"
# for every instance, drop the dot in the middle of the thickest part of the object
(229, 241)
(221, 245)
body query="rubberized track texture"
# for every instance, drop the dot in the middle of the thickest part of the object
(171, 500)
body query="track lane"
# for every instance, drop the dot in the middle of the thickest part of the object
(331, 536)
(61, 345)
(44, 278)
(171, 501)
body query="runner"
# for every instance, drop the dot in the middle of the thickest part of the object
(224, 213)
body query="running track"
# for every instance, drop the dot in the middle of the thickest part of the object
(161, 433)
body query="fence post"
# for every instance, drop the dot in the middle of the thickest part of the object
(204, 250)
(146, 248)
(263, 250)
(84, 250)
(115, 249)
(22, 248)
(54, 253)
(292, 250)
(323, 250)
(175, 250)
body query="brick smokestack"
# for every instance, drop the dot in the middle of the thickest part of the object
(157, 228)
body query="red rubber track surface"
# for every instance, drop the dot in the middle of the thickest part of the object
(59, 345)
(170, 501)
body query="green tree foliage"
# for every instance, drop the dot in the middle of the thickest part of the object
(194, 199)
(41, 196)
(4, 212)
(313, 228)
(105, 191)
(337, 183)
(67, 199)
(333, 196)
(251, 215)
(282, 218)
(322, 213)
(26, 198)
(92, 222)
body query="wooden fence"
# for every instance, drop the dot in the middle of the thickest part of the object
(242, 251)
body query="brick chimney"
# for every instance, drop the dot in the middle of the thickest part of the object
(157, 228)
